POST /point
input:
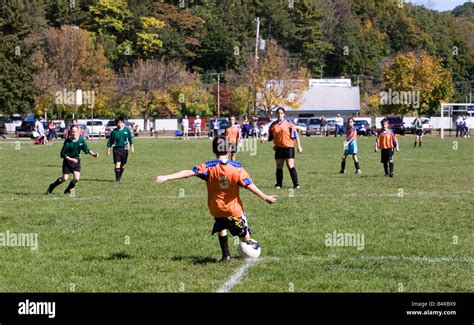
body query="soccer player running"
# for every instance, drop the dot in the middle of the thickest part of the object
(350, 147)
(284, 135)
(121, 139)
(418, 131)
(386, 141)
(71, 154)
(223, 179)
(232, 133)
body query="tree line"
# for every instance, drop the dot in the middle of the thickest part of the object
(160, 58)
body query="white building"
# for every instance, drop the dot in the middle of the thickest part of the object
(328, 97)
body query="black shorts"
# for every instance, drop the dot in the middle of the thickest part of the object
(69, 167)
(284, 153)
(233, 148)
(236, 226)
(120, 155)
(387, 155)
(419, 132)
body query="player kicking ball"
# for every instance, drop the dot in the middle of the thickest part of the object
(386, 141)
(121, 139)
(223, 179)
(71, 154)
(350, 147)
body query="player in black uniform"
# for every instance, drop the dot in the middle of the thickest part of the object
(121, 140)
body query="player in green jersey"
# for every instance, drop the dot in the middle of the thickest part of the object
(71, 154)
(121, 140)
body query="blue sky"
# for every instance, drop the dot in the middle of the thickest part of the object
(440, 5)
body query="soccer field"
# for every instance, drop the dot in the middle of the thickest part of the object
(137, 236)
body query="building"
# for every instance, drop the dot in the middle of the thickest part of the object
(328, 97)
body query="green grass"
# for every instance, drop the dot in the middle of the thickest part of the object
(82, 239)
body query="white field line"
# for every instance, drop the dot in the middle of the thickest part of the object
(418, 259)
(237, 276)
(279, 195)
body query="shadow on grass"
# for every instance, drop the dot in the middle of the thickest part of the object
(97, 180)
(111, 257)
(201, 260)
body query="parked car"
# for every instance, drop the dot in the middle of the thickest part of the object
(96, 128)
(313, 127)
(111, 125)
(396, 124)
(84, 131)
(25, 129)
(426, 125)
(362, 127)
(264, 128)
(222, 122)
(263, 120)
(331, 126)
(301, 123)
(3, 129)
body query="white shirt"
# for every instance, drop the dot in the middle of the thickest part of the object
(467, 122)
(39, 127)
(339, 121)
(197, 123)
(185, 123)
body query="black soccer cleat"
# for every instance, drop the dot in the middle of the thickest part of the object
(391, 174)
(224, 259)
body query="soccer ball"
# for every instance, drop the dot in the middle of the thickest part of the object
(251, 249)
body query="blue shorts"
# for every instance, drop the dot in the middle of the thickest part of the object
(351, 149)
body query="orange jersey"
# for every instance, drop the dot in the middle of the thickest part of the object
(283, 134)
(386, 140)
(351, 134)
(223, 180)
(233, 133)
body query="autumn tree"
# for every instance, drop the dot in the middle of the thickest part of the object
(419, 74)
(71, 61)
(154, 87)
(276, 80)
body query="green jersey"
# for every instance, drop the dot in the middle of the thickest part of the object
(72, 148)
(120, 138)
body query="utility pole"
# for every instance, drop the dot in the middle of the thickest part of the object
(218, 95)
(256, 40)
(256, 61)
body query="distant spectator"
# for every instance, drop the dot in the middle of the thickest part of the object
(459, 126)
(215, 127)
(185, 124)
(197, 126)
(255, 130)
(39, 126)
(37, 137)
(245, 128)
(467, 125)
(339, 125)
(137, 130)
(52, 131)
(324, 126)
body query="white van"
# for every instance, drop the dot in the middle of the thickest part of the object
(96, 127)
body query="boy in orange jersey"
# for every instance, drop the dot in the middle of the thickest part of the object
(350, 147)
(233, 134)
(223, 179)
(284, 136)
(386, 141)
